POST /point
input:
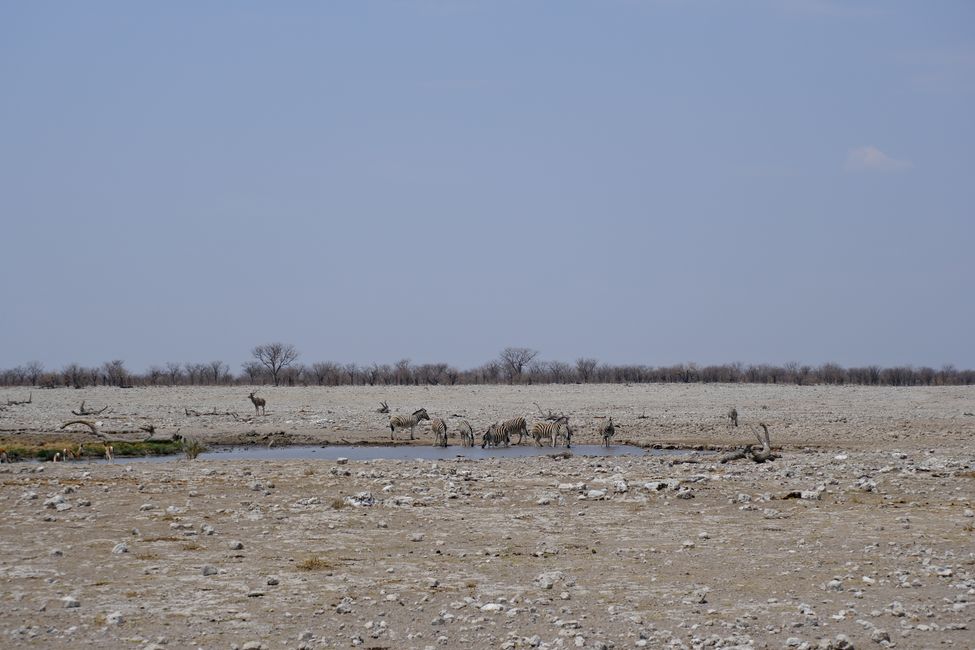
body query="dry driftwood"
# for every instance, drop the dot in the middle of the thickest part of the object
(87, 411)
(90, 425)
(550, 416)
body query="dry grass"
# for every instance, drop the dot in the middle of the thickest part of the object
(314, 563)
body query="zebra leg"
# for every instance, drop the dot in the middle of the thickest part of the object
(411, 432)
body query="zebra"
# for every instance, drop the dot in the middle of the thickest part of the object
(607, 431)
(466, 433)
(553, 431)
(403, 421)
(439, 428)
(495, 436)
(515, 425)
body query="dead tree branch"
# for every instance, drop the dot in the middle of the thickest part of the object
(87, 411)
(383, 408)
(90, 425)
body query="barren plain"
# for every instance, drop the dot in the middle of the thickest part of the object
(860, 535)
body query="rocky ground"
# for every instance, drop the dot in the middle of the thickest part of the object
(861, 535)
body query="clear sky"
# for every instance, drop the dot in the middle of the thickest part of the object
(635, 180)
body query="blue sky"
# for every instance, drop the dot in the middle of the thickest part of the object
(640, 181)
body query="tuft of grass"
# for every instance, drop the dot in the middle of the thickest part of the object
(338, 503)
(191, 546)
(193, 448)
(314, 563)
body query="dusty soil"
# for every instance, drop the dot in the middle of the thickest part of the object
(860, 535)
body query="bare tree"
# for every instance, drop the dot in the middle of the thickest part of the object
(586, 366)
(33, 370)
(254, 370)
(173, 373)
(115, 373)
(74, 375)
(217, 369)
(274, 357)
(514, 361)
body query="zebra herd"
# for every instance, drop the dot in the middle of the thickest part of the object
(550, 431)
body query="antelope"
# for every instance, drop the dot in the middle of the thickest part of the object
(110, 453)
(259, 403)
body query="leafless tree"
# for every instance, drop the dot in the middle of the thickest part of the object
(514, 361)
(74, 375)
(403, 372)
(173, 373)
(217, 370)
(274, 357)
(254, 371)
(586, 366)
(115, 373)
(33, 370)
(154, 374)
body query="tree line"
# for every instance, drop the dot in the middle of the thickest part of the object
(278, 364)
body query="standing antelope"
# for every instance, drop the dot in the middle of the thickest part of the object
(439, 428)
(259, 403)
(110, 453)
(466, 433)
(553, 431)
(733, 416)
(403, 421)
(607, 431)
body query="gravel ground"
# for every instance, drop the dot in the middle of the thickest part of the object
(860, 535)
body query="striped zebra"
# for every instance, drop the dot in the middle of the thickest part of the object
(515, 425)
(439, 428)
(466, 433)
(403, 421)
(495, 436)
(607, 431)
(552, 431)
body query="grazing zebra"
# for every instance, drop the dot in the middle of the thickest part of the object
(515, 425)
(439, 428)
(495, 436)
(607, 431)
(466, 433)
(552, 431)
(403, 421)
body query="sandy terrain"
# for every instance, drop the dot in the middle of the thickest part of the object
(861, 535)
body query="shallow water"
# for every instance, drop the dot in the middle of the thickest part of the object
(399, 452)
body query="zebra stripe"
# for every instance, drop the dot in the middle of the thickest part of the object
(403, 421)
(466, 433)
(439, 428)
(495, 437)
(607, 431)
(515, 425)
(553, 431)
